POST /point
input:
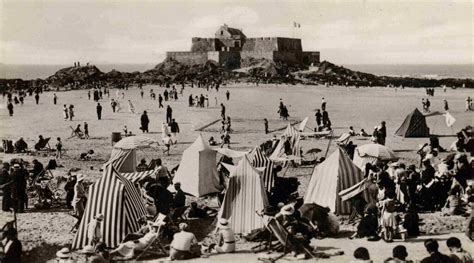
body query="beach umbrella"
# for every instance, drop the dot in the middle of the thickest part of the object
(134, 142)
(376, 150)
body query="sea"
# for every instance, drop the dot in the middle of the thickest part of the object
(420, 71)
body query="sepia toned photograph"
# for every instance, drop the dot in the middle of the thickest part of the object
(237, 131)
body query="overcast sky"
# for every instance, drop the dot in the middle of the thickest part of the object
(346, 32)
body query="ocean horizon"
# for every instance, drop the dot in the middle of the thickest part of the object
(26, 72)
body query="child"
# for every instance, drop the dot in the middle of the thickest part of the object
(389, 223)
(86, 130)
(59, 148)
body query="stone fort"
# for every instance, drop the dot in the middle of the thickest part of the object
(230, 46)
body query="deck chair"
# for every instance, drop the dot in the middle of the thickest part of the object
(343, 140)
(74, 133)
(285, 239)
(159, 219)
(43, 145)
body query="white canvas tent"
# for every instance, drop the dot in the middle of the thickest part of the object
(372, 153)
(197, 170)
(335, 174)
(244, 197)
(124, 156)
(279, 155)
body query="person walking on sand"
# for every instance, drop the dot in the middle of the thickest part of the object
(59, 148)
(55, 99)
(65, 112)
(144, 122)
(222, 111)
(323, 104)
(265, 123)
(227, 94)
(79, 198)
(142, 93)
(160, 101)
(37, 98)
(131, 108)
(446, 106)
(10, 108)
(468, 103)
(113, 104)
(99, 110)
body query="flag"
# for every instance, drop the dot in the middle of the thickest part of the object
(297, 25)
(450, 120)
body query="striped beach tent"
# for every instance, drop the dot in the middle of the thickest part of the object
(244, 197)
(279, 155)
(119, 201)
(335, 174)
(123, 160)
(138, 176)
(414, 125)
(259, 159)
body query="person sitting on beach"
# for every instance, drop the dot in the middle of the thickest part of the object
(41, 143)
(432, 246)
(86, 156)
(142, 166)
(129, 249)
(225, 238)
(363, 133)
(458, 254)
(368, 225)
(351, 131)
(21, 145)
(184, 244)
(454, 204)
(196, 212)
(399, 255)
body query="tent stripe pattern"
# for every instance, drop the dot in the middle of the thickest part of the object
(138, 176)
(260, 160)
(119, 201)
(335, 174)
(414, 125)
(295, 145)
(244, 197)
(118, 157)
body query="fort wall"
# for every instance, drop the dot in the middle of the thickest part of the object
(189, 58)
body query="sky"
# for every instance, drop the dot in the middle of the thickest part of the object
(345, 32)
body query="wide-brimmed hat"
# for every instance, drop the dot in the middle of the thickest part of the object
(223, 223)
(150, 200)
(287, 210)
(63, 253)
(80, 177)
(99, 217)
(88, 249)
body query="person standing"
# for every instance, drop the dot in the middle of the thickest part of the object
(71, 112)
(89, 94)
(99, 110)
(144, 122)
(325, 117)
(323, 104)
(93, 230)
(59, 148)
(318, 116)
(37, 98)
(382, 133)
(10, 108)
(174, 130)
(265, 123)
(222, 111)
(142, 93)
(113, 104)
(446, 106)
(86, 130)
(227, 94)
(79, 198)
(169, 114)
(55, 99)
(468, 103)
(65, 112)
(5, 181)
(19, 177)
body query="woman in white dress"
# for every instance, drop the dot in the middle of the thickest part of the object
(131, 108)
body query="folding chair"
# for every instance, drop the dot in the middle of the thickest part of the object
(161, 220)
(43, 145)
(74, 133)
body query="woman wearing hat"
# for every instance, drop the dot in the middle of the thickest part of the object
(79, 197)
(93, 229)
(226, 239)
(63, 255)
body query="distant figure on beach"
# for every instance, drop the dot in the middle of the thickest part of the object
(10, 108)
(99, 110)
(468, 103)
(265, 123)
(227, 94)
(86, 130)
(142, 93)
(65, 112)
(131, 108)
(160, 101)
(71, 112)
(323, 104)
(222, 111)
(113, 104)
(55, 99)
(89, 94)
(37, 98)
(169, 114)
(319, 117)
(144, 122)
(446, 106)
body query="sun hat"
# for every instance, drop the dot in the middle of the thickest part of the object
(223, 223)
(80, 177)
(99, 217)
(150, 200)
(287, 210)
(88, 249)
(63, 253)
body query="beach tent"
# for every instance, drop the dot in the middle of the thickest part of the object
(335, 174)
(197, 170)
(259, 159)
(136, 177)
(372, 153)
(244, 197)
(119, 201)
(414, 125)
(279, 155)
(124, 156)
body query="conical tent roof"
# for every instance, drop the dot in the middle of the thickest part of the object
(244, 197)
(335, 174)
(259, 159)
(279, 152)
(414, 125)
(197, 170)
